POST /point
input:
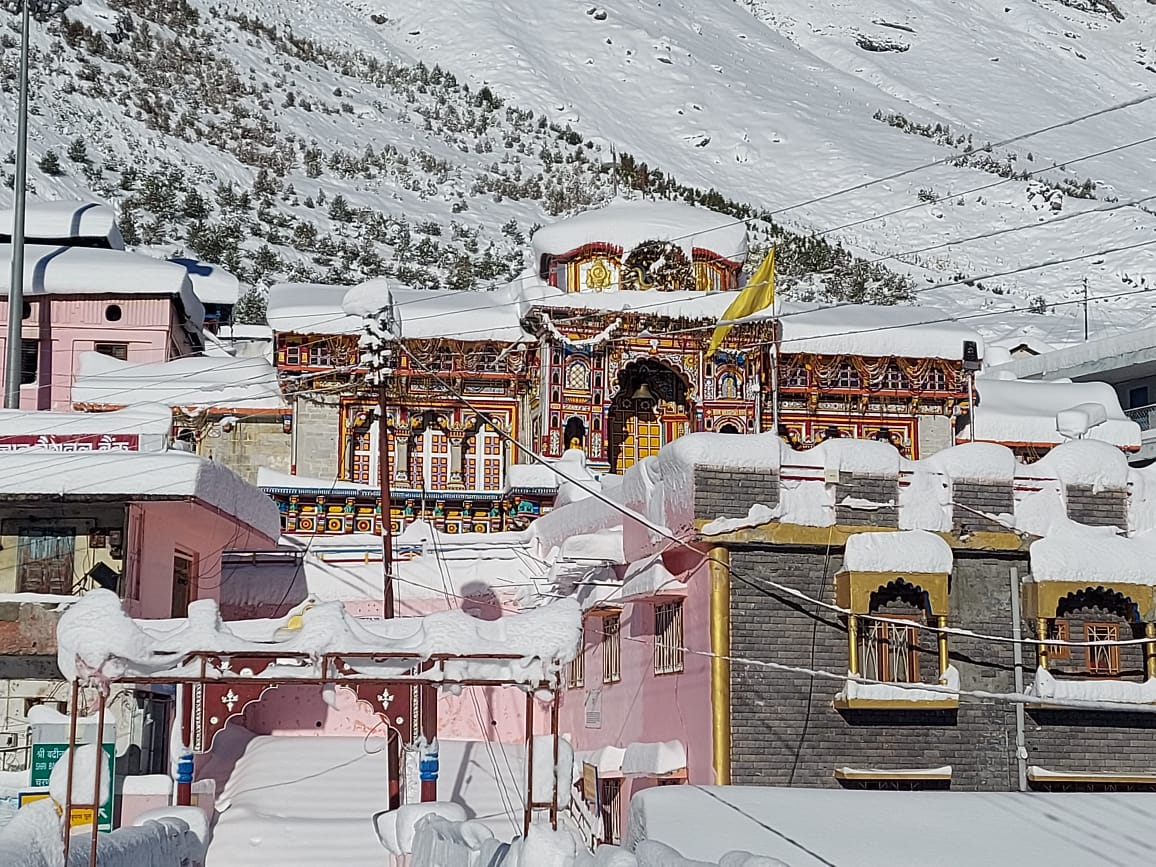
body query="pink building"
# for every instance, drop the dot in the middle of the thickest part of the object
(85, 299)
(151, 526)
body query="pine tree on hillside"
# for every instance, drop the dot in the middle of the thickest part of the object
(50, 164)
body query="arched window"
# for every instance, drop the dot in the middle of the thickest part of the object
(577, 376)
(728, 386)
(575, 434)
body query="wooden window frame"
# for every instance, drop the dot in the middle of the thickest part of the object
(611, 649)
(1060, 630)
(869, 633)
(1102, 661)
(610, 806)
(669, 631)
(576, 668)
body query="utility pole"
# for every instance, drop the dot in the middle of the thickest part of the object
(386, 496)
(13, 354)
(1085, 309)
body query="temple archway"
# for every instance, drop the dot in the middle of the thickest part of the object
(650, 409)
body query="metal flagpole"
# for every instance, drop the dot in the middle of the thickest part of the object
(16, 282)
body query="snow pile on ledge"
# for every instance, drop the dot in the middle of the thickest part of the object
(212, 284)
(1047, 687)
(152, 424)
(978, 462)
(1084, 462)
(654, 759)
(1029, 411)
(903, 551)
(948, 689)
(97, 640)
(1093, 555)
(221, 383)
(65, 219)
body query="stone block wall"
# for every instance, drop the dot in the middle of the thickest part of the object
(318, 436)
(255, 441)
(722, 492)
(970, 498)
(785, 730)
(881, 492)
(1104, 508)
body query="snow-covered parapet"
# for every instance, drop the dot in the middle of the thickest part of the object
(1037, 413)
(97, 641)
(904, 551)
(1110, 691)
(1093, 555)
(628, 224)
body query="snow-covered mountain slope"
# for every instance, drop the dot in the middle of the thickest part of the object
(774, 103)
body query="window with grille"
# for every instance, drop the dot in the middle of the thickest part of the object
(29, 361)
(894, 379)
(936, 379)
(113, 350)
(576, 671)
(668, 638)
(610, 806)
(577, 376)
(890, 651)
(847, 377)
(611, 650)
(1104, 660)
(796, 377)
(1058, 629)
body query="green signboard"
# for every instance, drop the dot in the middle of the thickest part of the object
(44, 759)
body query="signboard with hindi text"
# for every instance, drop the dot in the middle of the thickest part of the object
(46, 753)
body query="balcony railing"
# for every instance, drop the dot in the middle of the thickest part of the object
(1145, 416)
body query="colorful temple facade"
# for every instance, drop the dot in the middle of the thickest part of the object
(600, 346)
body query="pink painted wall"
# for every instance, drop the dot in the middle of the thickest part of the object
(159, 529)
(66, 326)
(493, 713)
(644, 707)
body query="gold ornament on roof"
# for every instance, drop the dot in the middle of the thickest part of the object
(598, 275)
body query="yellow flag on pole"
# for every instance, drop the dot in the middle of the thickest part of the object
(758, 294)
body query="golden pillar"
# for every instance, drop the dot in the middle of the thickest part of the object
(941, 622)
(1041, 648)
(720, 664)
(853, 643)
(1150, 651)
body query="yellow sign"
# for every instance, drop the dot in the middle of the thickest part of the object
(590, 783)
(28, 797)
(81, 816)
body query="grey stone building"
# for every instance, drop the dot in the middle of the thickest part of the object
(788, 722)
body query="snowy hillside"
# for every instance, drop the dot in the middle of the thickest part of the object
(338, 139)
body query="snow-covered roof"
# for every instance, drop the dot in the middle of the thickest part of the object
(628, 224)
(221, 383)
(60, 220)
(309, 308)
(150, 423)
(50, 270)
(1029, 411)
(870, 330)
(137, 475)
(1094, 555)
(97, 632)
(212, 284)
(419, 313)
(905, 551)
(799, 826)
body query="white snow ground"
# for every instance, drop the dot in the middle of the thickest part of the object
(308, 801)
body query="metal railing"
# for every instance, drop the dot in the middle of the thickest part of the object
(1145, 416)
